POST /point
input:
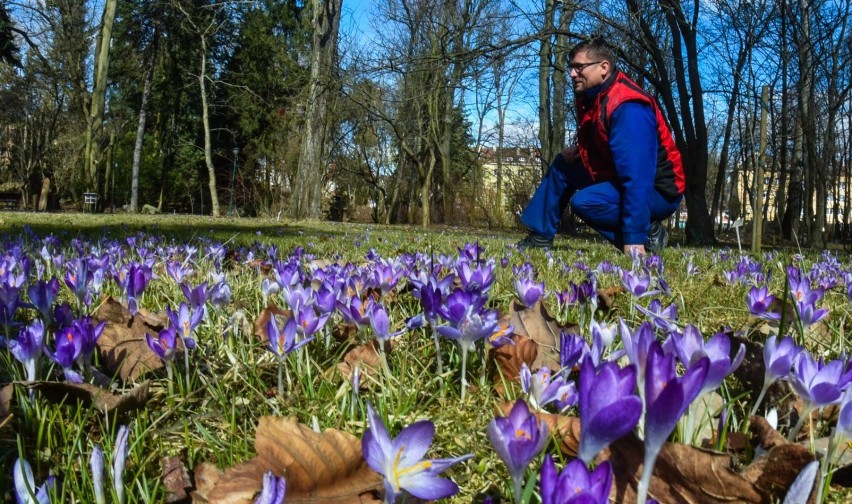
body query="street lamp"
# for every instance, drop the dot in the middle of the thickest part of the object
(236, 152)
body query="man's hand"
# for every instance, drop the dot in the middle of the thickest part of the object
(632, 250)
(571, 153)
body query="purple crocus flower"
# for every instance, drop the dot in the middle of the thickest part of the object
(517, 439)
(178, 271)
(571, 350)
(759, 302)
(196, 296)
(185, 320)
(400, 460)
(69, 344)
(119, 458)
(78, 278)
(10, 301)
(283, 342)
(96, 463)
(220, 294)
(477, 278)
(380, 322)
(818, 384)
(575, 484)
(778, 358)
(26, 491)
(27, 347)
(42, 296)
(690, 347)
(637, 284)
(637, 345)
(662, 318)
(90, 332)
(273, 490)
(608, 408)
(356, 311)
(386, 275)
(603, 332)
(805, 298)
(542, 388)
(165, 344)
(667, 396)
(132, 280)
(529, 291)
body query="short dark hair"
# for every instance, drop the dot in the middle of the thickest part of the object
(597, 48)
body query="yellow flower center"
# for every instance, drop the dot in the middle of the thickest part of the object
(398, 472)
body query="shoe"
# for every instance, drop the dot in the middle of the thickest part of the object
(535, 240)
(658, 238)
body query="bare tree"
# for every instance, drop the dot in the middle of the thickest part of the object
(307, 193)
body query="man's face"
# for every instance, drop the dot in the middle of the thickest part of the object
(587, 72)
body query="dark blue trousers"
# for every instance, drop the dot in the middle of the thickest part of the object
(598, 204)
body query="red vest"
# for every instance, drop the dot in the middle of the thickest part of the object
(593, 135)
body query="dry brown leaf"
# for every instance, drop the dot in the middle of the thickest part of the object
(205, 476)
(7, 391)
(542, 328)
(94, 396)
(263, 319)
(682, 473)
(510, 358)
(175, 479)
(605, 297)
(366, 358)
(123, 344)
(326, 467)
(344, 332)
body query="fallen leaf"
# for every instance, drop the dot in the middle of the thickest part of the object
(175, 479)
(510, 358)
(543, 329)
(6, 393)
(263, 319)
(774, 472)
(344, 331)
(205, 476)
(605, 297)
(93, 396)
(123, 343)
(366, 358)
(326, 467)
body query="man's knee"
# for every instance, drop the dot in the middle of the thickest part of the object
(585, 205)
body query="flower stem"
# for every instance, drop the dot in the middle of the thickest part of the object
(186, 365)
(280, 377)
(518, 483)
(464, 372)
(806, 413)
(438, 353)
(170, 377)
(760, 397)
(647, 471)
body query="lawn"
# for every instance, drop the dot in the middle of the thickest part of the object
(303, 337)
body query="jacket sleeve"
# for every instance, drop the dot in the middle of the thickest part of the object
(633, 143)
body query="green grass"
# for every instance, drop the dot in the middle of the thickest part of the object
(233, 380)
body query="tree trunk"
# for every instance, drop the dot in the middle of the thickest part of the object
(545, 120)
(205, 119)
(95, 116)
(140, 128)
(307, 193)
